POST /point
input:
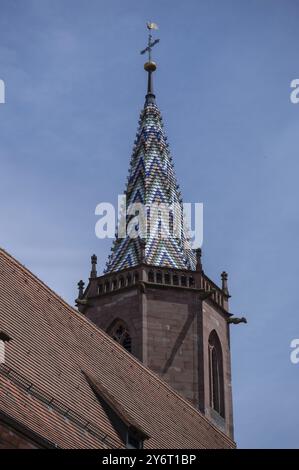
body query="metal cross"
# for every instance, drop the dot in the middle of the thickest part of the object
(151, 43)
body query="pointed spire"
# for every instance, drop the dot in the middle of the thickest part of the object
(224, 277)
(152, 181)
(81, 289)
(94, 260)
(198, 253)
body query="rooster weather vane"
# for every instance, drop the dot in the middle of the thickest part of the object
(151, 43)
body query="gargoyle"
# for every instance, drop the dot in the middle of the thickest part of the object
(81, 301)
(236, 320)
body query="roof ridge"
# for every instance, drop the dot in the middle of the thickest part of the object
(107, 338)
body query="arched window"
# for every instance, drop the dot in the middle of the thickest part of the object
(119, 331)
(216, 374)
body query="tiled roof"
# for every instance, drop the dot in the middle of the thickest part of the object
(43, 387)
(152, 180)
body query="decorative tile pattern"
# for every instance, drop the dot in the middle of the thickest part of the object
(151, 180)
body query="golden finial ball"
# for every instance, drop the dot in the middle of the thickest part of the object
(150, 66)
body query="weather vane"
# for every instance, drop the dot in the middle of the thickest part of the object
(150, 66)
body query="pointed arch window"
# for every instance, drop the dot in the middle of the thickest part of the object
(119, 331)
(216, 374)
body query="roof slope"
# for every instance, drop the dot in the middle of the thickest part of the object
(51, 344)
(152, 180)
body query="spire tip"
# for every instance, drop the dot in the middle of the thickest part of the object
(150, 66)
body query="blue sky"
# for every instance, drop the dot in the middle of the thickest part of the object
(74, 88)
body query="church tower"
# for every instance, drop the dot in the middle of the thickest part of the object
(154, 297)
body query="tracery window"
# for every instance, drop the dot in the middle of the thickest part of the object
(119, 331)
